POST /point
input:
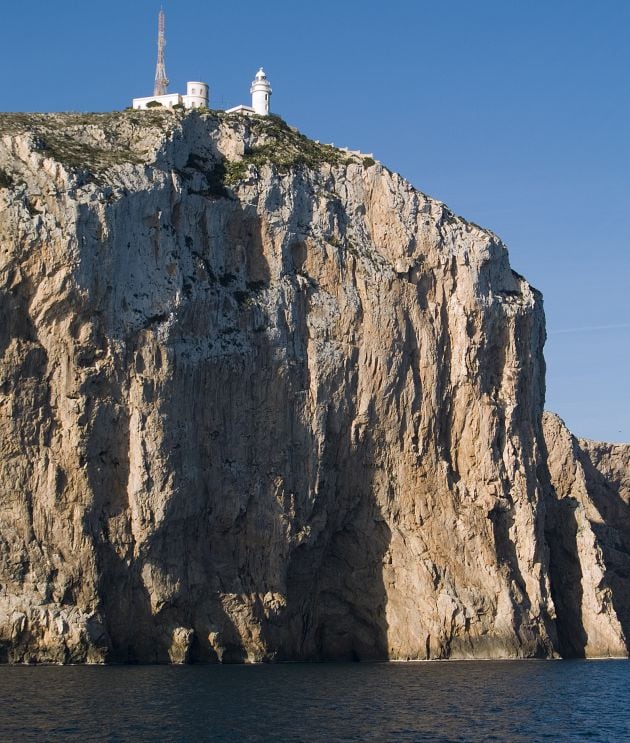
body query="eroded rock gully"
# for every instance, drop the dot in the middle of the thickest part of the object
(261, 400)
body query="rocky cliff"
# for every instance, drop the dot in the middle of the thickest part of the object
(589, 538)
(260, 399)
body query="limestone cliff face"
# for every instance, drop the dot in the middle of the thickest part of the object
(589, 536)
(261, 399)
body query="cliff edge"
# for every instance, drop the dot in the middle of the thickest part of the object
(260, 399)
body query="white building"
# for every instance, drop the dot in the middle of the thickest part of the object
(197, 96)
(261, 97)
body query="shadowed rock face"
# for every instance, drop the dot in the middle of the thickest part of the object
(260, 399)
(588, 530)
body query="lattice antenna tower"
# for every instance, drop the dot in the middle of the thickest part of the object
(161, 81)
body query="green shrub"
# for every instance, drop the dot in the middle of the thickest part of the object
(154, 104)
(277, 119)
(235, 171)
(227, 279)
(282, 146)
(368, 162)
(256, 286)
(241, 297)
(216, 181)
(5, 180)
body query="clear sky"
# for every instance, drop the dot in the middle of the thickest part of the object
(516, 113)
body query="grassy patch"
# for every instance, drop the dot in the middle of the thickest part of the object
(283, 147)
(83, 156)
(89, 142)
(235, 171)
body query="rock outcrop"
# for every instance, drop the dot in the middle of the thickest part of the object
(589, 537)
(261, 400)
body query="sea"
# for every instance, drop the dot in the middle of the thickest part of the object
(435, 701)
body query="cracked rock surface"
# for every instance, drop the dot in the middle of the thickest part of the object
(260, 399)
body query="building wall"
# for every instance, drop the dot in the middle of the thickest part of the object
(197, 96)
(167, 101)
(260, 100)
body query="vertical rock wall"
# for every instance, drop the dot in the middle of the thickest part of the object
(261, 399)
(589, 535)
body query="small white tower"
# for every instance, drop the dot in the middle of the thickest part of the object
(261, 93)
(196, 95)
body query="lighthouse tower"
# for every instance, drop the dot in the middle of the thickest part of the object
(261, 93)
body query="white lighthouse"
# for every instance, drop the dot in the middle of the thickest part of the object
(261, 93)
(261, 97)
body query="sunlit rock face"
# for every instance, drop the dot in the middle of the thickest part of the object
(260, 399)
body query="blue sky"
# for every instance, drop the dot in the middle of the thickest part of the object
(514, 113)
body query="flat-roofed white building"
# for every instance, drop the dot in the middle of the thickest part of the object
(197, 96)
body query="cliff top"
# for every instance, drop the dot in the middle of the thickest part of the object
(94, 146)
(98, 141)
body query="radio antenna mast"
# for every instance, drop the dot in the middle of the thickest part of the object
(161, 81)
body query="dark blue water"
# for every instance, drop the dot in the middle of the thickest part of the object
(455, 701)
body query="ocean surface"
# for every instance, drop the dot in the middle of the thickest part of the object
(450, 701)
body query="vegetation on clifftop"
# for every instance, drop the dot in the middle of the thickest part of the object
(89, 142)
(93, 142)
(282, 146)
